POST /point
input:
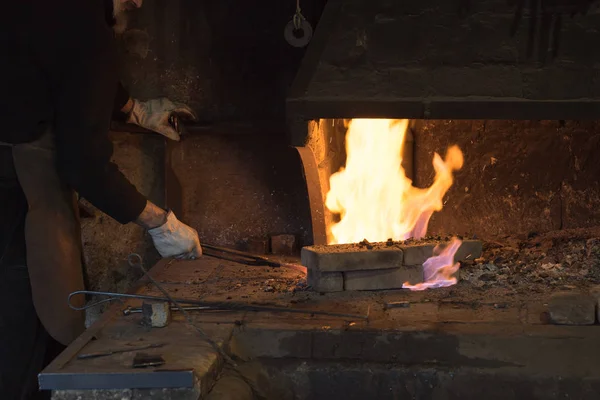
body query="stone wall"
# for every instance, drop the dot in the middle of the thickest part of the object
(518, 176)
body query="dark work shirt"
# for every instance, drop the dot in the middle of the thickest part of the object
(121, 98)
(58, 68)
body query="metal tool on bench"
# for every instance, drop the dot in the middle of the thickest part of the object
(143, 360)
(138, 310)
(118, 351)
(242, 257)
(220, 305)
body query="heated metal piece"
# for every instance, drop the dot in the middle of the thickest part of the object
(246, 258)
(118, 351)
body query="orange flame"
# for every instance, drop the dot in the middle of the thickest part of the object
(438, 270)
(374, 197)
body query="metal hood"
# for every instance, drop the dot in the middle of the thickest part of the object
(451, 59)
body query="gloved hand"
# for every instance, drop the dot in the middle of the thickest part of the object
(154, 115)
(175, 238)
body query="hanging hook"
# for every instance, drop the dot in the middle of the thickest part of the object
(298, 31)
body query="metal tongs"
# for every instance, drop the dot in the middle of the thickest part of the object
(242, 257)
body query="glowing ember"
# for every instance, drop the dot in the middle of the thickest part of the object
(438, 270)
(375, 199)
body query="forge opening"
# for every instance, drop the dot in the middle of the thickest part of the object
(519, 180)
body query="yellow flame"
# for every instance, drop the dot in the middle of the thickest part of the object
(372, 194)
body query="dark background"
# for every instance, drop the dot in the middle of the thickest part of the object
(227, 59)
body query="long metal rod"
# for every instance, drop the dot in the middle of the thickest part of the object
(138, 310)
(248, 258)
(222, 305)
(135, 260)
(117, 351)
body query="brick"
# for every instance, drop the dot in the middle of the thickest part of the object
(383, 279)
(325, 281)
(335, 258)
(469, 250)
(572, 309)
(259, 245)
(283, 245)
(418, 254)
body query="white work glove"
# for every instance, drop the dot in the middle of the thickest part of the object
(154, 115)
(176, 239)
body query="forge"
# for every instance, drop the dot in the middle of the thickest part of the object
(459, 218)
(492, 102)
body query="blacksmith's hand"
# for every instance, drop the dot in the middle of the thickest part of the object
(155, 114)
(176, 239)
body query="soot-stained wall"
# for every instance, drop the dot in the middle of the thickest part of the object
(227, 59)
(518, 177)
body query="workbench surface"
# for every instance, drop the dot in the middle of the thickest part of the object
(463, 326)
(189, 360)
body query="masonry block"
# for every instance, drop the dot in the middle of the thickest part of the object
(419, 253)
(469, 250)
(335, 258)
(325, 281)
(572, 309)
(284, 245)
(258, 245)
(383, 278)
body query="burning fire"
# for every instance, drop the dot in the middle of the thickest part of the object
(374, 197)
(438, 270)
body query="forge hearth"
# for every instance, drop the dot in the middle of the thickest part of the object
(527, 125)
(375, 266)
